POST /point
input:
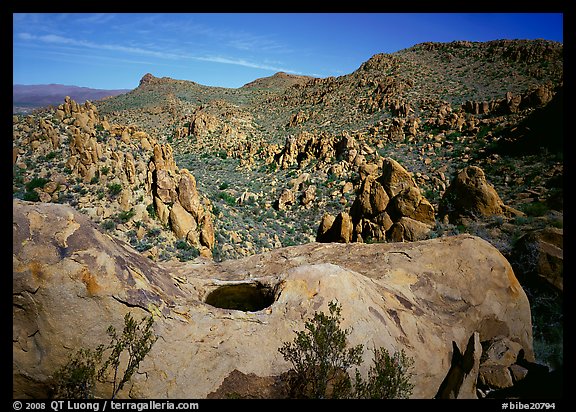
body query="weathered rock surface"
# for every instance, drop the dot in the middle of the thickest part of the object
(70, 282)
(177, 201)
(540, 257)
(388, 207)
(471, 196)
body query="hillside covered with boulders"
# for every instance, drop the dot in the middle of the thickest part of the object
(435, 141)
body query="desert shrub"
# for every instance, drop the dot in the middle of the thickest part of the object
(185, 250)
(126, 215)
(36, 182)
(108, 225)
(320, 360)
(535, 208)
(136, 339)
(151, 211)
(114, 189)
(388, 378)
(77, 378)
(229, 199)
(31, 196)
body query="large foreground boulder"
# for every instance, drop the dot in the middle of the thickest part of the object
(432, 298)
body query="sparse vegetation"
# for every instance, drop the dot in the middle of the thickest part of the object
(77, 378)
(114, 189)
(185, 251)
(237, 161)
(320, 361)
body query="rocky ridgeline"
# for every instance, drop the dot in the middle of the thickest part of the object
(483, 69)
(110, 172)
(278, 80)
(511, 103)
(512, 51)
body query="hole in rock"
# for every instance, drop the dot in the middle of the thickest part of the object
(248, 297)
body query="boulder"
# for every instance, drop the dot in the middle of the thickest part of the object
(371, 200)
(470, 196)
(70, 282)
(188, 193)
(308, 196)
(165, 186)
(394, 177)
(325, 224)
(538, 257)
(286, 199)
(410, 203)
(388, 207)
(181, 221)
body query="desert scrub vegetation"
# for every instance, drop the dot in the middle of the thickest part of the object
(78, 377)
(252, 220)
(320, 359)
(25, 190)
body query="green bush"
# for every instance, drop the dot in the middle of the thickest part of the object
(229, 199)
(535, 209)
(77, 378)
(114, 188)
(185, 250)
(31, 196)
(388, 378)
(108, 225)
(36, 182)
(320, 360)
(151, 211)
(137, 340)
(125, 216)
(51, 155)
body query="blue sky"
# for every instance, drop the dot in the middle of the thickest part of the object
(113, 51)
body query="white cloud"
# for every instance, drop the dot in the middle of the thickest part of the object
(244, 63)
(61, 40)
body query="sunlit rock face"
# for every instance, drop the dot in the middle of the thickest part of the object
(70, 282)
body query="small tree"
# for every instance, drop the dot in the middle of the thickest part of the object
(137, 339)
(77, 379)
(319, 357)
(320, 360)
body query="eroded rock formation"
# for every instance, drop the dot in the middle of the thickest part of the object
(471, 196)
(70, 282)
(388, 207)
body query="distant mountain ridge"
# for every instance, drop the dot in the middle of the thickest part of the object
(28, 97)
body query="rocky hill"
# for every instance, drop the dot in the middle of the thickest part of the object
(278, 81)
(437, 140)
